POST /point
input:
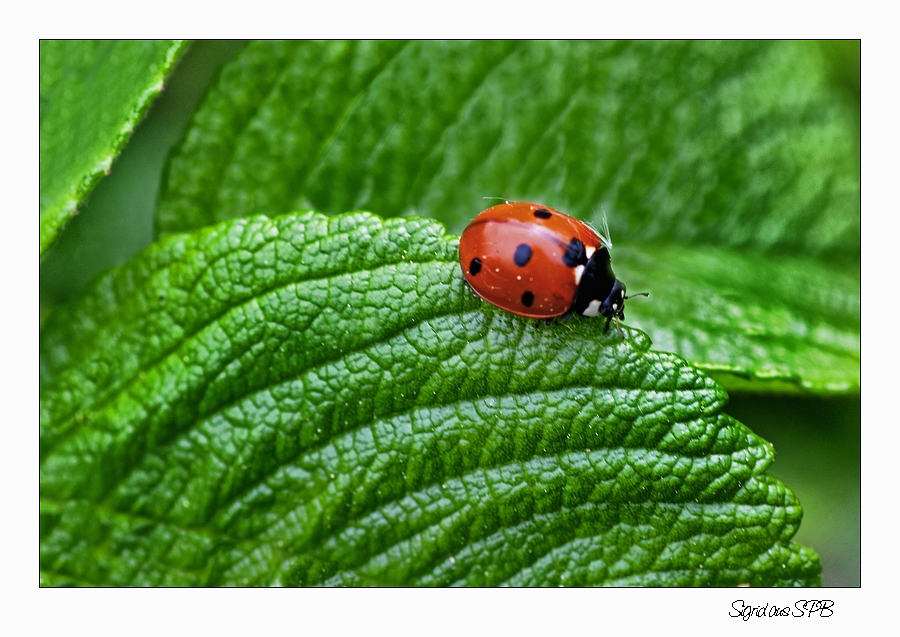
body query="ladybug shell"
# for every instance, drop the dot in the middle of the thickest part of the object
(514, 255)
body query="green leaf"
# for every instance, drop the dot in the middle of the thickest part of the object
(92, 94)
(742, 150)
(312, 400)
(772, 324)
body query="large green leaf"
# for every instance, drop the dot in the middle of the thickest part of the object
(715, 160)
(308, 400)
(92, 94)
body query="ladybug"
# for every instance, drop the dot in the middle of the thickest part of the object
(537, 262)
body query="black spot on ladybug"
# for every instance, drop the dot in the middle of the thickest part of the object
(523, 254)
(542, 213)
(527, 299)
(475, 266)
(575, 254)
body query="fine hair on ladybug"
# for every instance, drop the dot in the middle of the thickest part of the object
(537, 262)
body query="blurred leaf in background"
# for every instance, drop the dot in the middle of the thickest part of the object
(117, 219)
(729, 172)
(92, 95)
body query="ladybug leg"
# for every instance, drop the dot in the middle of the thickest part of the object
(606, 326)
(564, 318)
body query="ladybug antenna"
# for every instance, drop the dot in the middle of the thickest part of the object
(631, 296)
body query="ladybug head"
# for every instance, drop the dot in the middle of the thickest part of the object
(613, 308)
(614, 305)
(600, 292)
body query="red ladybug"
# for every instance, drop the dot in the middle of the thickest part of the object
(537, 262)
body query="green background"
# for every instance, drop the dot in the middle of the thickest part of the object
(817, 440)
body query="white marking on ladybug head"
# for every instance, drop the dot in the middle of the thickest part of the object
(592, 309)
(589, 251)
(579, 270)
